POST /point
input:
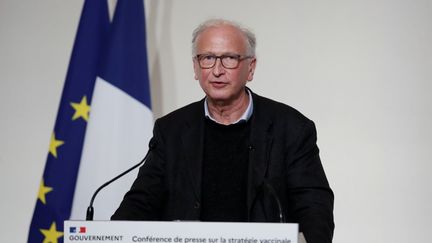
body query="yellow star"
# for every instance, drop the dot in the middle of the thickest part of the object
(54, 144)
(52, 234)
(43, 190)
(82, 109)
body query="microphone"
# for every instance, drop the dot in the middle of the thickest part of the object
(269, 188)
(90, 211)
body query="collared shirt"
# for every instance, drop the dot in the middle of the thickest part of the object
(245, 117)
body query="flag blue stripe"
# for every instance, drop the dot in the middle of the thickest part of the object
(125, 65)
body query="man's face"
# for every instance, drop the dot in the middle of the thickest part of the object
(220, 84)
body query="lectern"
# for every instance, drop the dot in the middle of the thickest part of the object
(180, 232)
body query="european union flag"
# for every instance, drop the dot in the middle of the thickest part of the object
(105, 107)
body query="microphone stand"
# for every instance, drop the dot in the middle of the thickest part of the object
(90, 210)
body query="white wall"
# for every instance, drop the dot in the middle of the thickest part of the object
(362, 70)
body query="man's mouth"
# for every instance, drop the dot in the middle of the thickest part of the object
(218, 84)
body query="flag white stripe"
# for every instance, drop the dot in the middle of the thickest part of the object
(117, 137)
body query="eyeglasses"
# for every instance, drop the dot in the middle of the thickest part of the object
(229, 61)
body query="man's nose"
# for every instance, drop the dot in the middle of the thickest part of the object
(218, 68)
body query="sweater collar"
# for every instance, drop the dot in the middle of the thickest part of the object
(244, 118)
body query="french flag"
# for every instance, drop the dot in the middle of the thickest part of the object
(121, 120)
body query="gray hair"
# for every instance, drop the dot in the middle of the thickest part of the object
(250, 37)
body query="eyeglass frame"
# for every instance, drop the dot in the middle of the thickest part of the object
(220, 57)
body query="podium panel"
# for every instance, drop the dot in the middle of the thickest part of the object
(179, 232)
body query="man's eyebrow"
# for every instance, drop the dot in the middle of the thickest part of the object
(222, 54)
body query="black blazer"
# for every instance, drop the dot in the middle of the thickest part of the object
(282, 153)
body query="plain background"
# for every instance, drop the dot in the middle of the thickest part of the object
(362, 70)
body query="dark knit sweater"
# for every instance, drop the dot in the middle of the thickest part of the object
(224, 177)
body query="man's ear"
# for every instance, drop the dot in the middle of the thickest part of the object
(196, 68)
(251, 71)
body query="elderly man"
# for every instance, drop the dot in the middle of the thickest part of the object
(233, 156)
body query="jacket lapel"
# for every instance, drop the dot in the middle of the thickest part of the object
(261, 139)
(192, 147)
